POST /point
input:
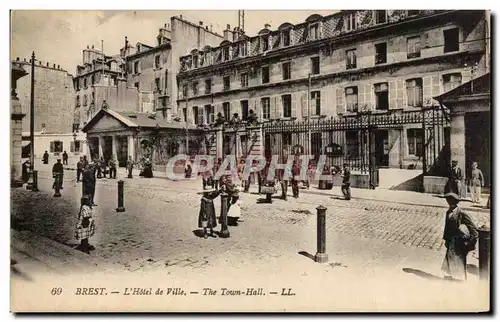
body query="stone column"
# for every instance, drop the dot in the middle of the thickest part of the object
(113, 147)
(101, 146)
(131, 147)
(457, 139)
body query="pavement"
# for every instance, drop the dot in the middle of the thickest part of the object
(368, 239)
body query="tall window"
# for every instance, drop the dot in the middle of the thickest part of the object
(315, 65)
(451, 40)
(451, 81)
(413, 47)
(92, 79)
(265, 75)
(226, 109)
(286, 70)
(184, 114)
(381, 53)
(196, 116)
(350, 22)
(92, 100)
(184, 90)
(314, 32)
(77, 100)
(266, 108)
(77, 84)
(225, 52)
(210, 112)
(380, 16)
(244, 80)
(415, 139)
(414, 92)
(352, 144)
(84, 100)
(316, 102)
(195, 88)
(85, 82)
(195, 61)
(157, 84)
(208, 86)
(351, 98)
(136, 67)
(350, 59)
(286, 34)
(243, 49)
(381, 96)
(157, 61)
(265, 43)
(287, 105)
(226, 82)
(244, 110)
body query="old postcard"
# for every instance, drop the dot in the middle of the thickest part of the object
(250, 161)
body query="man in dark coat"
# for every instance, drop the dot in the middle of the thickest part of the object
(57, 174)
(346, 182)
(294, 179)
(45, 158)
(65, 158)
(89, 182)
(455, 177)
(79, 169)
(112, 168)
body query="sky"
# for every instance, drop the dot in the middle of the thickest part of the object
(58, 37)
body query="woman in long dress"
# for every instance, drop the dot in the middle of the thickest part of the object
(460, 237)
(207, 220)
(85, 226)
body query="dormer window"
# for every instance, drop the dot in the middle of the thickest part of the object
(350, 22)
(380, 16)
(265, 42)
(243, 49)
(286, 37)
(225, 52)
(314, 31)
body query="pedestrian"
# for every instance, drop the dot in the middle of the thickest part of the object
(476, 182)
(346, 182)
(207, 177)
(85, 227)
(65, 158)
(241, 169)
(99, 165)
(112, 168)
(281, 174)
(252, 176)
(85, 162)
(231, 189)
(26, 171)
(206, 217)
(455, 177)
(295, 178)
(130, 166)
(188, 169)
(460, 237)
(58, 174)
(79, 169)
(46, 158)
(147, 171)
(216, 169)
(89, 182)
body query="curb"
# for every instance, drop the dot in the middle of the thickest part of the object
(399, 202)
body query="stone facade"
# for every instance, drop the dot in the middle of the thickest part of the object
(54, 96)
(16, 123)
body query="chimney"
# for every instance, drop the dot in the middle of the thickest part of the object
(206, 28)
(267, 26)
(54, 66)
(227, 33)
(92, 46)
(47, 64)
(25, 60)
(211, 27)
(235, 34)
(87, 46)
(180, 16)
(165, 26)
(17, 58)
(201, 23)
(58, 67)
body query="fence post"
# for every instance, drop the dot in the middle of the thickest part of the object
(57, 185)
(34, 186)
(484, 252)
(224, 232)
(120, 197)
(321, 255)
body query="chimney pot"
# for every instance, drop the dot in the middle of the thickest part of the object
(165, 26)
(181, 16)
(92, 46)
(54, 66)
(87, 46)
(25, 59)
(228, 27)
(201, 23)
(267, 26)
(58, 66)
(206, 28)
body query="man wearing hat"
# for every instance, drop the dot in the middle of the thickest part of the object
(57, 174)
(346, 182)
(206, 217)
(455, 178)
(460, 237)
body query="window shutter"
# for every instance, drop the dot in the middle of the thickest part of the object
(427, 84)
(255, 106)
(340, 100)
(324, 100)
(279, 106)
(436, 85)
(294, 107)
(72, 147)
(401, 97)
(303, 103)
(369, 96)
(272, 108)
(361, 97)
(320, 29)
(292, 37)
(81, 146)
(393, 102)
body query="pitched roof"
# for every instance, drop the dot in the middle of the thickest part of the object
(137, 119)
(478, 87)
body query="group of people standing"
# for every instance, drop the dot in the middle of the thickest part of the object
(458, 185)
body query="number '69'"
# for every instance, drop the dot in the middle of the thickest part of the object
(56, 291)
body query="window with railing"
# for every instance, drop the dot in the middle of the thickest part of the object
(351, 59)
(414, 92)
(413, 47)
(351, 98)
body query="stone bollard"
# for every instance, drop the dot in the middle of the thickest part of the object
(57, 186)
(120, 197)
(484, 252)
(224, 231)
(34, 185)
(321, 255)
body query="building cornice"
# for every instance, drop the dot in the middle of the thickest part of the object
(149, 51)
